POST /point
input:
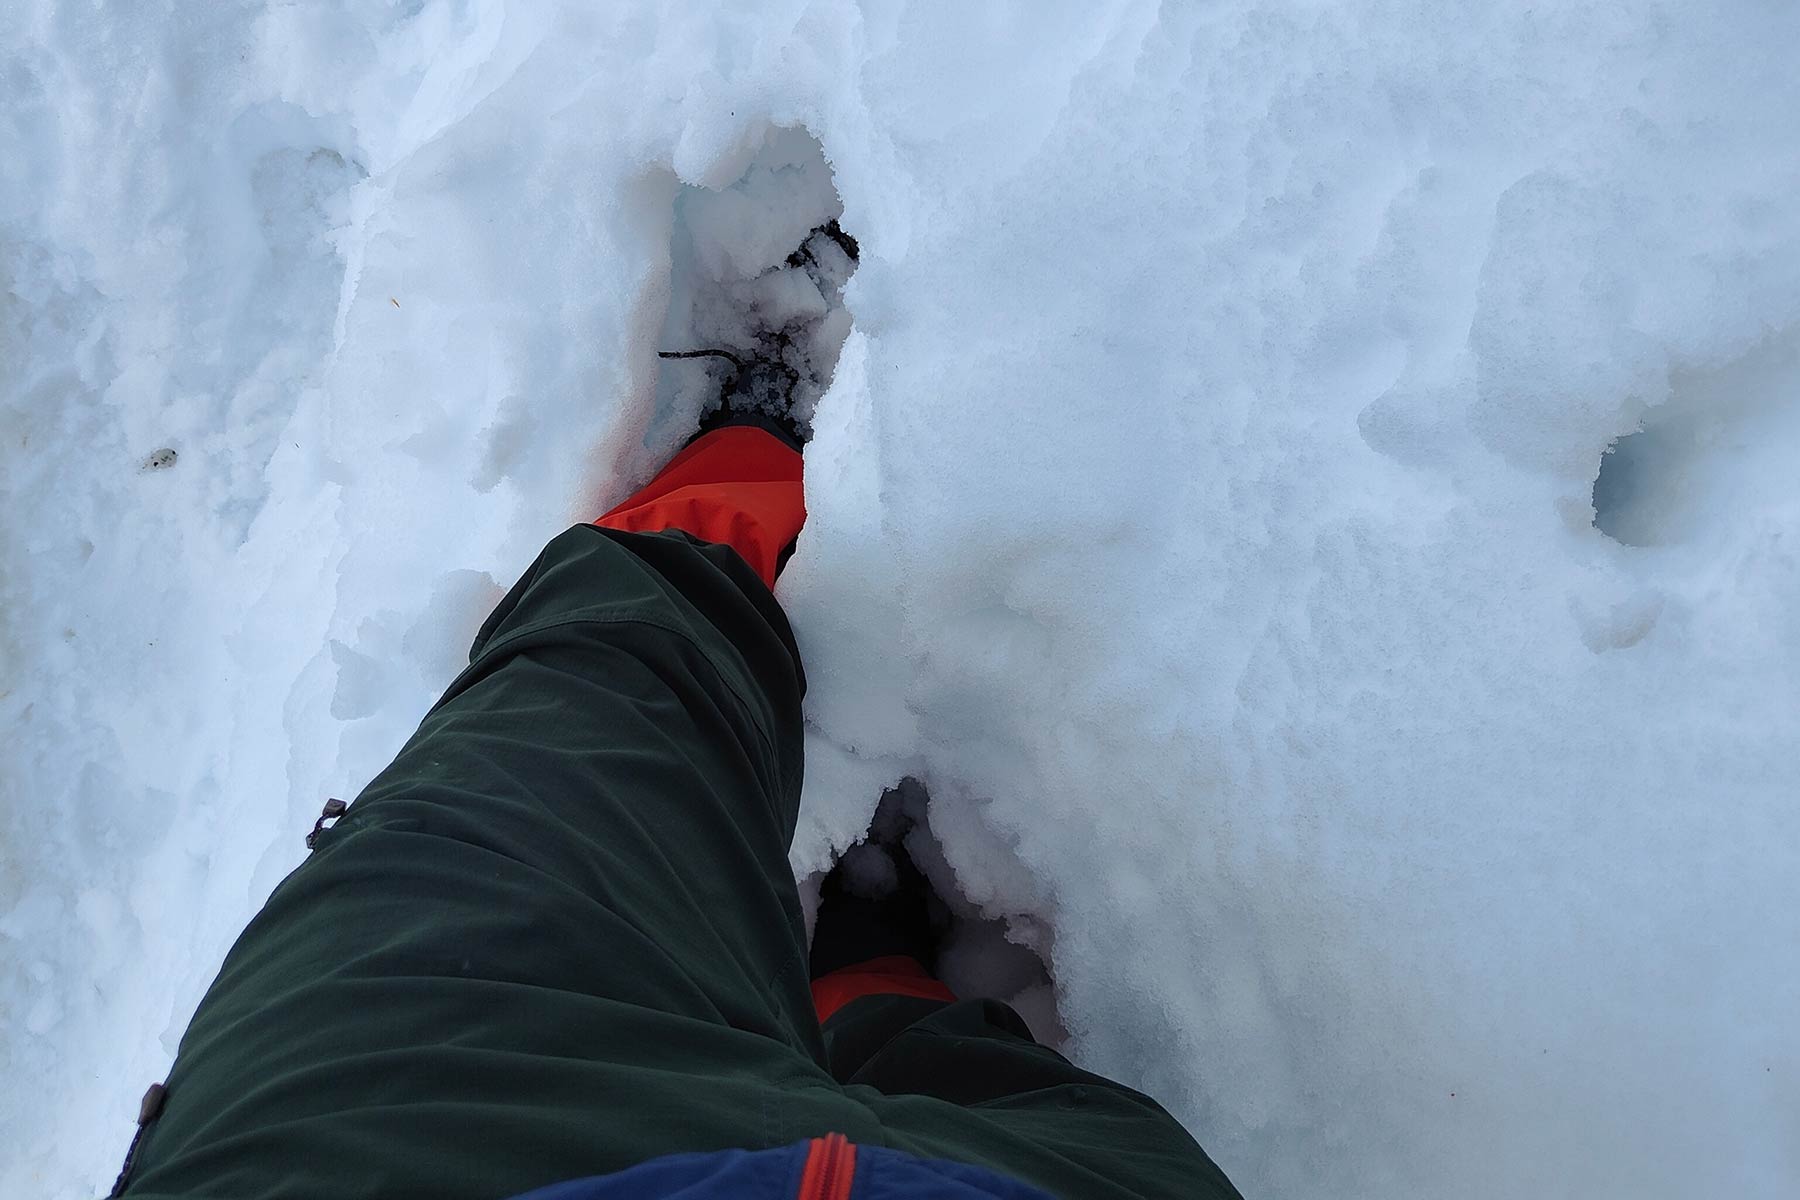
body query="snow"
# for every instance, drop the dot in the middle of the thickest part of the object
(1202, 507)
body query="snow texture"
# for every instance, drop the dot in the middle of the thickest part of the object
(1208, 506)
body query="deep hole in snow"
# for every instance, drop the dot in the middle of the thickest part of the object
(980, 955)
(1617, 485)
(757, 271)
(1719, 449)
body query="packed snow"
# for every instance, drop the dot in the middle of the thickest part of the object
(1308, 489)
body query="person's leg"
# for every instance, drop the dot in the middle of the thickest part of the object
(737, 484)
(966, 1080)
(559, 935)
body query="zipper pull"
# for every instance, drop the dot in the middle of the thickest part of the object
(334, 808)
(830, 1169)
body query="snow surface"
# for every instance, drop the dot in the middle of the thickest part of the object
(1202, 508)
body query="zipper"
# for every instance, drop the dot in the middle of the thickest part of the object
(830, 1168)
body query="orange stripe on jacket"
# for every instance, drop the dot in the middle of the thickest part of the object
(890, 975)
(739, 486)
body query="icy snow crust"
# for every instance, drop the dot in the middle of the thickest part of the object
(1201, 509)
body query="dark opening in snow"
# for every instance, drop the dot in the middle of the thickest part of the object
(980, 955)
(1618, 485)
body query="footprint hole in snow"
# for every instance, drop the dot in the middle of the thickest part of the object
(981, 955)
(1616, 488)
(1718, 449)
(757, 273)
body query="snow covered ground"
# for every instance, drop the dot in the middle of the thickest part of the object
(1202, 508)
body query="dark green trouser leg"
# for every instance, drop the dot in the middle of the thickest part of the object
(979, 1056)
(558, 936)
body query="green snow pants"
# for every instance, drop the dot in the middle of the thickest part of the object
(559, 937)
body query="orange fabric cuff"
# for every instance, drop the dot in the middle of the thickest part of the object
(739, 486)
(890, 975)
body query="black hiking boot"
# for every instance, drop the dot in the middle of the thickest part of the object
(876, 902)
(759, 386)
(758, 392)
